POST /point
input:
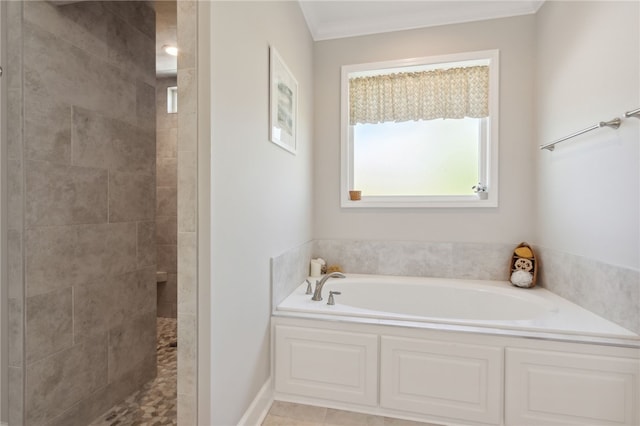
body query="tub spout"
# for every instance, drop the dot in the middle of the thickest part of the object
(317, 294)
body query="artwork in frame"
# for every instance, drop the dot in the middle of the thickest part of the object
(283, 103)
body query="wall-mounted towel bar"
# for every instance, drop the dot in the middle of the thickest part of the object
(634, 113)
(615, 123)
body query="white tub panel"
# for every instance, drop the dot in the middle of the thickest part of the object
(331, 365)
(445, 379)
(554, 388)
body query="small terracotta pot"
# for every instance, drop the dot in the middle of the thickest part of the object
(355, 195)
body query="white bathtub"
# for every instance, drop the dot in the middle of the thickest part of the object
(455, 352)
(493, 304)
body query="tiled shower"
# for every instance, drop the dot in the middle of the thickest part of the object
(81, 199)
(167, 204)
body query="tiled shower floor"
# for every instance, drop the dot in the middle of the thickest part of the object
(155, 403)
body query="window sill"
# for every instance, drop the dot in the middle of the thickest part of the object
(463, 201)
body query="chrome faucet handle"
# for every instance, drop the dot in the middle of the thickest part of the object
(309, 291)
(317, 294)
(331, 300)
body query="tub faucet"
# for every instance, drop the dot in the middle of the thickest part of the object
(317, 294)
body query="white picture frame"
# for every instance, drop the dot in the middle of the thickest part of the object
(283, 103)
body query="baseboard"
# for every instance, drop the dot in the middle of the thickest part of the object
(259, 408)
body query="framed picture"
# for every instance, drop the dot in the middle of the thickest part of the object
(283, 103)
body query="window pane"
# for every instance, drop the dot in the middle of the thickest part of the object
(172, 100)
(434, 157)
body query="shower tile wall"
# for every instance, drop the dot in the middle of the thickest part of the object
(187, 213)
(15, 231)
(167, 199)
(81, 171)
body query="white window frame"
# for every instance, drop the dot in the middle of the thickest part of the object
(488, 167)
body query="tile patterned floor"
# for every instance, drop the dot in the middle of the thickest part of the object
(155, 403)
(289, 414)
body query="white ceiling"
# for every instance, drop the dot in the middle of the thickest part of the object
(328, 19)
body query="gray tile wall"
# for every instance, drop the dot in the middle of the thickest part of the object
(611, 291)
(187, 208)
(15, 229)
(288, 270)
(481, 261)
(167, 198)
(81, 207)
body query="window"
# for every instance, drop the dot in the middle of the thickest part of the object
(421, 132)
(172, 100)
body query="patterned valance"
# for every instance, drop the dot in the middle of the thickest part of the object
(426, 95)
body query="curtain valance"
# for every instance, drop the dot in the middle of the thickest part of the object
(425, 95)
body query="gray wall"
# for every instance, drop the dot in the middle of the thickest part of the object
(579, 205)
(167, 199)
(82, 207)
(588, 189)
(513, 221)
(262, 194)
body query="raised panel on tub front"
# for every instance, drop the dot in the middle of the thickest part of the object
(445, 379)
(332, 365)
(555, 388)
